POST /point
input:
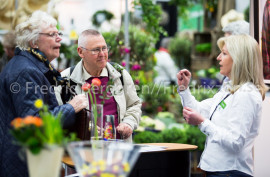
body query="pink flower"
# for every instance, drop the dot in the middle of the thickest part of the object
(136, 67)
(127, 50)
(137, 81)
(123, 63)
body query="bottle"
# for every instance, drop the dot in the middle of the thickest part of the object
(109, 129)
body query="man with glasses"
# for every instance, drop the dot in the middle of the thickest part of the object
(122, 100)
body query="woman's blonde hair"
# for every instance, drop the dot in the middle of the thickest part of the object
(29, 30)
(247, 61)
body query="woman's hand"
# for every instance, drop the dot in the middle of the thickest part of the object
(124, 130)
(79, 102)
(192, 117)
(183, 78)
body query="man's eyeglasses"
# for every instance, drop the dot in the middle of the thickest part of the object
(96, 51)
(54, 35)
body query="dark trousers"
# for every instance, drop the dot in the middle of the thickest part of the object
(232, 173)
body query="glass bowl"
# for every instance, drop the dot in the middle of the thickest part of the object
(103, 158)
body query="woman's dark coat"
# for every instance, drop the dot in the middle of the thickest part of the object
(24, 79)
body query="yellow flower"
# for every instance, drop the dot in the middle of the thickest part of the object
(115, 168)
(38, 103)
(107, 175)
(126, 167)
(73, 35)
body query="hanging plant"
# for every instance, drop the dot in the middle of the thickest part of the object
(151, 16)
(100, 16)
(184, 5)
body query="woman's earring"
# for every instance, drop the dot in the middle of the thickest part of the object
(36, 47)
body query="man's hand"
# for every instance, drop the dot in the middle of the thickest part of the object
(124, 130)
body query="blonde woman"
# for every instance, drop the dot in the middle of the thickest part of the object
(230, 119)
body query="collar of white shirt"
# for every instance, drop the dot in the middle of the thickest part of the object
(86, 75)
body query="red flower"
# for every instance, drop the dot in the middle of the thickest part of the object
(159, 109)
(96, 82)
(86, 87)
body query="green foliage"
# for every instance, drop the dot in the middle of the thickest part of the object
(35, 133)
(30, 137)
(195, 136)
(155, 98)
(146, 121)
(112, 40)
(183, 5)
(180, 50)
(174, 135)
(203, 93)
(211, 5)
(208, 73)
(176, 106)
(151, 16)
(204, 48)
(52, 130)
(167, 115)
(108, 16)
(187, 135)
(147, 137)
(246, 14)
(141, 47)
(70, 52)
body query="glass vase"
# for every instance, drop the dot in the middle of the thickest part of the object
(96, 123)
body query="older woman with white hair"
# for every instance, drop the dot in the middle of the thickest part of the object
(230, 119)
(27, 77)
(236, 27)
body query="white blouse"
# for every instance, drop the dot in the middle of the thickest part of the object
(231, 131)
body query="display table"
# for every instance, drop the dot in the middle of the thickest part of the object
(172, 161)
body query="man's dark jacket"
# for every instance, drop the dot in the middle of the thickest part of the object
(24, 79)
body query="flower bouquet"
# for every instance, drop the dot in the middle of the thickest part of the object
(103, 158)
(42, 139)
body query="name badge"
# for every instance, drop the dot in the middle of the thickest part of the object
(222, 104)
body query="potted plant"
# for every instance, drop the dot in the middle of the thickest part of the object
(203, 49)
(43, 139)
(180, 50)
